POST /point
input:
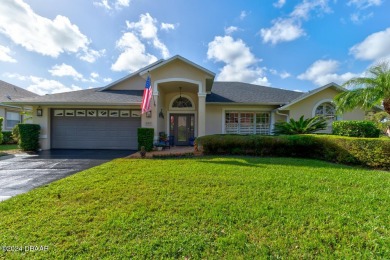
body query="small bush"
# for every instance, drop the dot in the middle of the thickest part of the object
(28, 136)
(357, 151)
(1, 129)
(356, 129)
(15, 133)
(7, 138)
(145, 138)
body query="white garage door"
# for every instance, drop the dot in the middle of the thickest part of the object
(94, 129)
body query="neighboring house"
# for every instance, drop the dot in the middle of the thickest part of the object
(186, 103)
(11, 113)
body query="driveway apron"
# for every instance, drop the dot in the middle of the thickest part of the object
(24, 172)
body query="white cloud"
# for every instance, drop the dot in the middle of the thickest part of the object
(109, 5)
(231, 29)
(167, 26)
(280, 3)
(283, 75)
(44, 86)
(290, 28)
(64, 70)
(358, 18)
(362, 4)
(282, 30)
(323, 72)
(5, 54)
(107, 80)
(15, 76)
(243, 14)
(240, 63)
(91, 56)
(133, 54)
(375, 47)
(147, 29)
(39, 34)
(94, 75)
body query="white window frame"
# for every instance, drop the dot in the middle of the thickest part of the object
(6, 126)
(254, 123)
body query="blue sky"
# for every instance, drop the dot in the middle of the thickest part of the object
(64, 45)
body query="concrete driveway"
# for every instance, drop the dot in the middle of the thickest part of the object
(24, 172)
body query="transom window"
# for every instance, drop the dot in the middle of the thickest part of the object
(326, 110)
(181, 102)
(12, 118)
(247, 123)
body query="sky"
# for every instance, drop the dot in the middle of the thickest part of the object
(66, 45)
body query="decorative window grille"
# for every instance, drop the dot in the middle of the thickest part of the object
(247, 123)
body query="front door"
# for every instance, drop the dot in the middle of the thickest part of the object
(182, 128)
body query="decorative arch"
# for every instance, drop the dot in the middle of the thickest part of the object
(190, 105)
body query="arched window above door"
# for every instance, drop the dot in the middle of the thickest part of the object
(182, 102)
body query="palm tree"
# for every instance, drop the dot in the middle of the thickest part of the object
(367, 92)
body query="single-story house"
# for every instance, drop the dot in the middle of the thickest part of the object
(186, 103)
(9, 112)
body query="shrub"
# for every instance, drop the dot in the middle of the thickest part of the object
(355, 129)
(28, 136)
(1, 129)
(301, 126)
(7, 138)
(358, 151)
(15, 133)
(145, 138)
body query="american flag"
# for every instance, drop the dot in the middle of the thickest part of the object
(145, 106)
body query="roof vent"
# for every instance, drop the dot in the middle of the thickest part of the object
(8, 96)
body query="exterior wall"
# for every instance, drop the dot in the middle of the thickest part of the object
(133, 83)
(306, 106)
(356, 114)
(44, 120)
(215, 115)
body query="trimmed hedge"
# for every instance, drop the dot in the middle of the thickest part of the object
(29, 136)
(373, 153)
(7, 138)
(145, 138)
(356, 129)
(1, 129)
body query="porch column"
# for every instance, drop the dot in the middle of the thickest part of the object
(202, 114)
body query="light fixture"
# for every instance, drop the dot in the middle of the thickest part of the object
(161, 114)
(149, 114)
(39, 111)
(180, 101)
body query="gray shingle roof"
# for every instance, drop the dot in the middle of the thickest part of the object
(9, 92)
(238, 92)
(222, 92)
(89, 96)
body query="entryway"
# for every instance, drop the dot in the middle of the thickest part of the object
(182, 126)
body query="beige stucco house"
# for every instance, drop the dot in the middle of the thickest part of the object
(10, 113)
(186, 103)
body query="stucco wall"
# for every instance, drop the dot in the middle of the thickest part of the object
(133, 83)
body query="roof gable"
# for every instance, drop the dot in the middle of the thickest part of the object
(311, 93)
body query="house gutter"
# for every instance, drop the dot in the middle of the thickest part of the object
(281, 114)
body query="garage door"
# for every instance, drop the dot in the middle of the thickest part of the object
(94, 129)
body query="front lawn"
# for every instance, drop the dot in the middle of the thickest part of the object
(5, 147)
(209, 207)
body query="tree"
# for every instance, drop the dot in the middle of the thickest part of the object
(367, 92)
(301, 126)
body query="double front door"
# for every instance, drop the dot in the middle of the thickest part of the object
(182, 127)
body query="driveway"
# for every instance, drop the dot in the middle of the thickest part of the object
(24, 172)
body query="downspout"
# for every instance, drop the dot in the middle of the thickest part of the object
(280, 114)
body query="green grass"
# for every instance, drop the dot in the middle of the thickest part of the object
(208, 207)
(5, 147)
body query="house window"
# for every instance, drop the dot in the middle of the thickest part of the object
(12, 118)
(247, 123)
(181, 102)
(326, 110)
